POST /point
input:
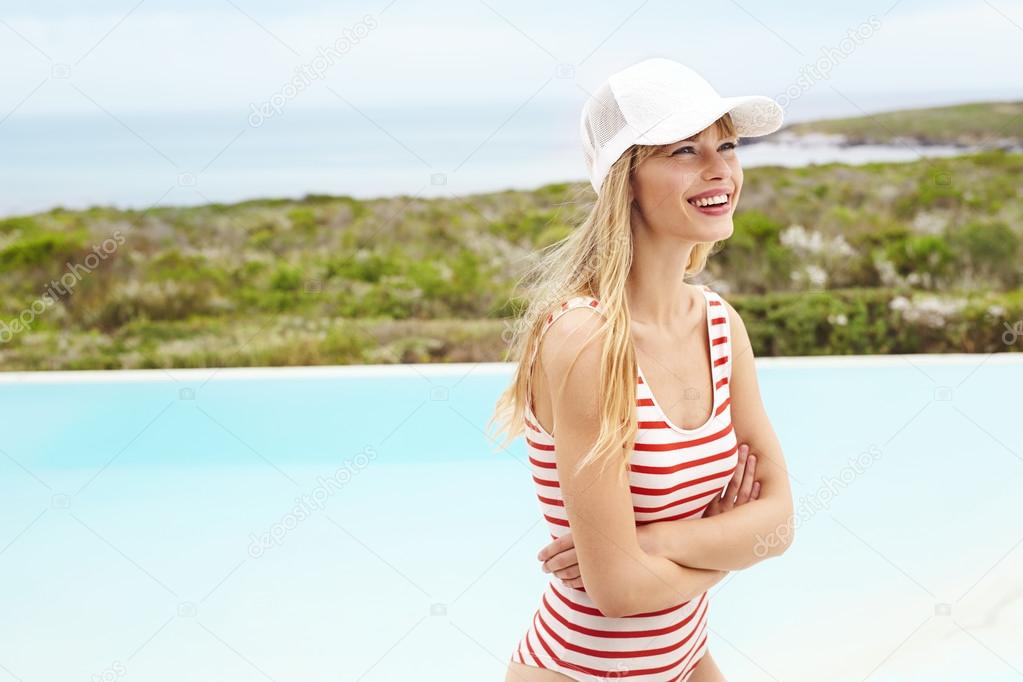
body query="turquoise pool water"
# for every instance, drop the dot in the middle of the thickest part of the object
(355, 524)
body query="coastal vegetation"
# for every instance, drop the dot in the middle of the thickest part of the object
(832, 259)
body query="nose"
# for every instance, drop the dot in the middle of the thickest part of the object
(717, 167)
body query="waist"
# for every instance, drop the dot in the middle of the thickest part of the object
(572, 632)
(575, 605)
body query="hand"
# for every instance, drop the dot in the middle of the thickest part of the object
(559, 558)
(741, 489)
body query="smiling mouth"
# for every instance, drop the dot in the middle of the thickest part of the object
(711, 202)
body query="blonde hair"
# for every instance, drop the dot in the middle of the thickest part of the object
(593, 261)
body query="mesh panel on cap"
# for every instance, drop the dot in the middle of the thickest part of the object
(603, 121)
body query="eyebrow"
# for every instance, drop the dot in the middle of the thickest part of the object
(693, 139)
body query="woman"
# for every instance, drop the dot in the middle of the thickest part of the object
(649, 498)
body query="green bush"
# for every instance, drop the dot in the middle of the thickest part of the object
(926, 256)
(990, 251)
(552, 235)
(168, 300)
(364, 266)
(24, 224)
(754, 255)
(527, 226)
(286, 278)
(303, 219)
(47, 248)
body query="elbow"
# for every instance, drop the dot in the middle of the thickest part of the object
(622, 605)
(610, 600)
(611, 591)
(611, 609)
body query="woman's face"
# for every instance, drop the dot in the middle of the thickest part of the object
(666, 185)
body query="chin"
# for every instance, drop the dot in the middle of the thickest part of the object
(712, 228)
(724, 229)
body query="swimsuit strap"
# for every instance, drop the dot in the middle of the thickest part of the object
(721, 330)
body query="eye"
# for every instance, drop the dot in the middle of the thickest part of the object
(727, 146)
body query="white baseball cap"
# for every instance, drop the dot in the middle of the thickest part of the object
(660, 101)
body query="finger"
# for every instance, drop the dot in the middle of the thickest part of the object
(575, 582)
(756, 490)
(740, 469)
(568, 573)
(747, 479)
(715, 506)
(563, 560)
(558, 545)
(733, 484)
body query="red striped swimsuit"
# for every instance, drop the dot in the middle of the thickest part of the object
(675, 473)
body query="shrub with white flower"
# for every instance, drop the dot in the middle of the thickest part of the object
(931, 311)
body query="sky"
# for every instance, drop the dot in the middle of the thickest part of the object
(156, 55)
(131, 102)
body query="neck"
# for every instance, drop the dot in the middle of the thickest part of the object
(656, 291)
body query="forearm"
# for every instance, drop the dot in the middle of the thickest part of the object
(658, 583)
(737, 539)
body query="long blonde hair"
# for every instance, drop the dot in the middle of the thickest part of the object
(593, 261)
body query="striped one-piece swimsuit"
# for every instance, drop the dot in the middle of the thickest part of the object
(674, 474)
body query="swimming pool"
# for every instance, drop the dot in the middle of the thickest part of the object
(354, 523)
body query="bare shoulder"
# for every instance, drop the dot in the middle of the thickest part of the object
(576, 333)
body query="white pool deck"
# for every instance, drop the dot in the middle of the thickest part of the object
(463, 368)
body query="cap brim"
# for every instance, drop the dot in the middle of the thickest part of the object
(752, 115)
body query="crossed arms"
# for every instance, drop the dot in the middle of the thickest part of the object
(629, 570)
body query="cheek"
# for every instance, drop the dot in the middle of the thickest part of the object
(668, 198)
(663, 189)
(663, 184)
(675, 184)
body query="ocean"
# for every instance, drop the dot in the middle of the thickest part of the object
(138, 160)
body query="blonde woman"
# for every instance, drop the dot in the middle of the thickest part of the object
(667, 474)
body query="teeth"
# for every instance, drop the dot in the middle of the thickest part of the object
(710, 201)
